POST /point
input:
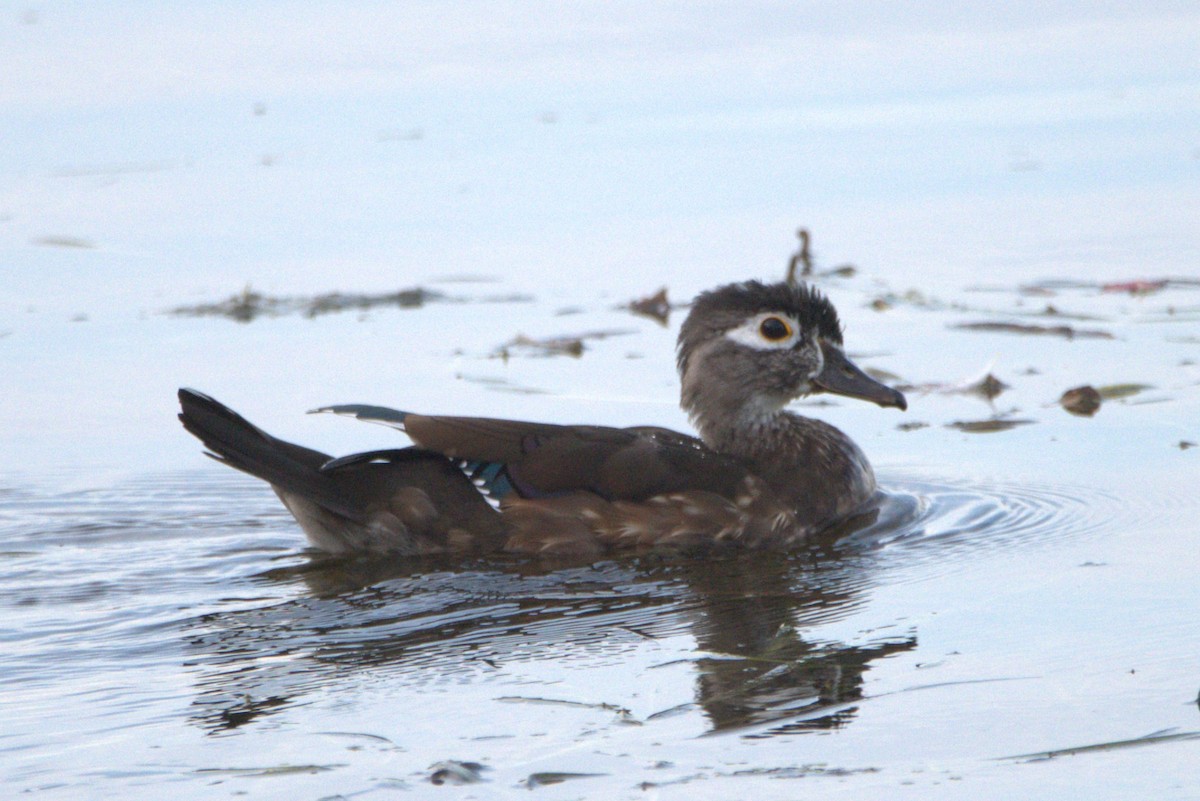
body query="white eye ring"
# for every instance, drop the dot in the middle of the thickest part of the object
(767, 331)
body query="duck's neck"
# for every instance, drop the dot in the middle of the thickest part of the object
(811, 465)
(747, 431)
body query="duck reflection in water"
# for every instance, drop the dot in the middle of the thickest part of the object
(752, 668)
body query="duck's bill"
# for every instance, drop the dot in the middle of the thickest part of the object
(842, 377)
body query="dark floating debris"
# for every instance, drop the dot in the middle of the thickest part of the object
(554, 346)
(1119, 391)
(243, 307)
(454, 772)
(803, 771)
(270, 771)
(1053, 311)
(915, 425)
(988, 387)
(550, 346)
(1065, 331)
(1135, 287)
(989, 426)
(1184, 444)
(338, 302)
(801, 263)
(914, 298)
(550, 777)
(654, 306)
(1081, 401)
(249, 305)
(802, 258)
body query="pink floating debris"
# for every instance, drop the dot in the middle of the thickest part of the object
(1138, 287)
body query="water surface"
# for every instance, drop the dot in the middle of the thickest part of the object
(1017, 194)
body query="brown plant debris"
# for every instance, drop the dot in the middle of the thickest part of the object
(1065, 331)
(1118, 391)
(988, 387)
(570, 345)
(989, 426)
(249, 305)
(801, 259)
(801, 263)
(1081, 401)
(547, 778)
(655, 306)
(451, 771)
(1135, 287)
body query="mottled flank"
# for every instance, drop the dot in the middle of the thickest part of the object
(583, 523)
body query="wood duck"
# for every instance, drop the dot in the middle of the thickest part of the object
(757, 476)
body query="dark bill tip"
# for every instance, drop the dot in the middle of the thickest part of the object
(841, 376)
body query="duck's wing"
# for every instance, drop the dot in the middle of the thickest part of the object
(405, 501)
(538, 460)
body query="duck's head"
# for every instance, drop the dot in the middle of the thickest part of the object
(746, 350)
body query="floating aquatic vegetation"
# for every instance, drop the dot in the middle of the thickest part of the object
(451, 771)
(275, 770)
(1065, 331)
(986, 386)
(1118, 391)
(915, 298)
(989, 426)
(803, 771)
(801, 263)
(553, 777)
(571, 345)
(339, 302)
(1081, 401)
(249, 305)
(1051, 310)
(655, 306)
(801, 259)
(1136, 287)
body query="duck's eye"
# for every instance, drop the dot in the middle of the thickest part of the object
(774, 329)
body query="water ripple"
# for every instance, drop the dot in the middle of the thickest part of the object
(935, 519)
(212, 574)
